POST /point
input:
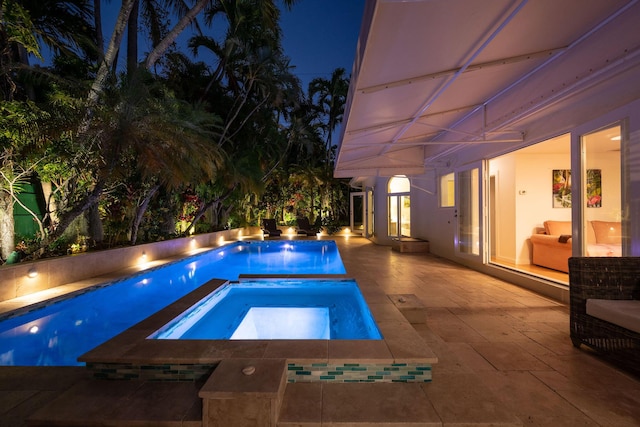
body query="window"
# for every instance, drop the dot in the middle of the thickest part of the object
(399, 206)
(447, 191)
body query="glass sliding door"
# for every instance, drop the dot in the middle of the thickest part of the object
(523, 200)
(368, 215)
(393, 216)
(602, 195)
(468, 213)
(361, 213)
(405, 215)
(357, 212)
(399, 207)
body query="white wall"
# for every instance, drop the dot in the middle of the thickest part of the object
(528, 173)
(435, 223)
(535, 176)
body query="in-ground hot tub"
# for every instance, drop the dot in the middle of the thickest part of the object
(277, 309)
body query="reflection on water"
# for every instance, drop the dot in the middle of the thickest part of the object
(58, 334)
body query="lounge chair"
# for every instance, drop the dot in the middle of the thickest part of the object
(304, 227)
(270, 227)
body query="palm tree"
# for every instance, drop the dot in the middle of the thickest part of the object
(265, 8)
(29, 25)
(154, 15)
(330, 96)
(109, 58)
(156, 141)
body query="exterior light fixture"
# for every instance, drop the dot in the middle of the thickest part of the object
(32, 273)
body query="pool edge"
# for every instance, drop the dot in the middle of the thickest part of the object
(130, 355)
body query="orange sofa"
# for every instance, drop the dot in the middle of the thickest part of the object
(552, 247)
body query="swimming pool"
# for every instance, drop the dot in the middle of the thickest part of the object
(55, 335)
(277, 309)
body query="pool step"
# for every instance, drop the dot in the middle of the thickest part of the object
(244, 392)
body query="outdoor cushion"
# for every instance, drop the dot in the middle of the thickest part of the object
(625, 313)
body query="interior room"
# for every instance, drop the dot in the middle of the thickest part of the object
(531, 186)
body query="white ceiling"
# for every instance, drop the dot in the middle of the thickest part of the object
(434, 77)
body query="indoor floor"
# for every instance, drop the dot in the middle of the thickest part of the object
(504, 359)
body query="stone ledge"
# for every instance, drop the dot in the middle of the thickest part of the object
(410, 245)
(241, 391)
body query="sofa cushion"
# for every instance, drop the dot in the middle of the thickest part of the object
(625, 313)
(607, 232)
(557, 228)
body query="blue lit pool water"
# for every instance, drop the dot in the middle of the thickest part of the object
(277, 309)
(55, 335)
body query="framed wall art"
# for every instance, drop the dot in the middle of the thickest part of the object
(594, 188)
(562, 188)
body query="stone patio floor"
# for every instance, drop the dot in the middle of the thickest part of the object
(504, 359)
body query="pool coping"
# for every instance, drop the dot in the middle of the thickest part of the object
(25, 304)
(131, 355)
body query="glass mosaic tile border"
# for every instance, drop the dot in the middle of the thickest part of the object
(163, 372)
(296, 372)
(359, 372)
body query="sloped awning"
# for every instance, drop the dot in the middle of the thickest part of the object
(432, 77)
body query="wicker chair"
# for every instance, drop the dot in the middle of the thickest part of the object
(604, 278)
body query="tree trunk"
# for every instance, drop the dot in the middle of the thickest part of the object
(80, 208)
(96, 232)
(7, 225)
(111, 54)
(132, 39)
(203, 209)
(142, 208)
(161, 48)
(97, 22)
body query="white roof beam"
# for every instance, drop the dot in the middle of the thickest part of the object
(504, 61)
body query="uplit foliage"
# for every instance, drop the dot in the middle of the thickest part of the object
(171, 146)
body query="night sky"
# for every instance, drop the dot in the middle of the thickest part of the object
(321, 35)
(318, 36)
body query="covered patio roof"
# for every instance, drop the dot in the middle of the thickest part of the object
(432, 77)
